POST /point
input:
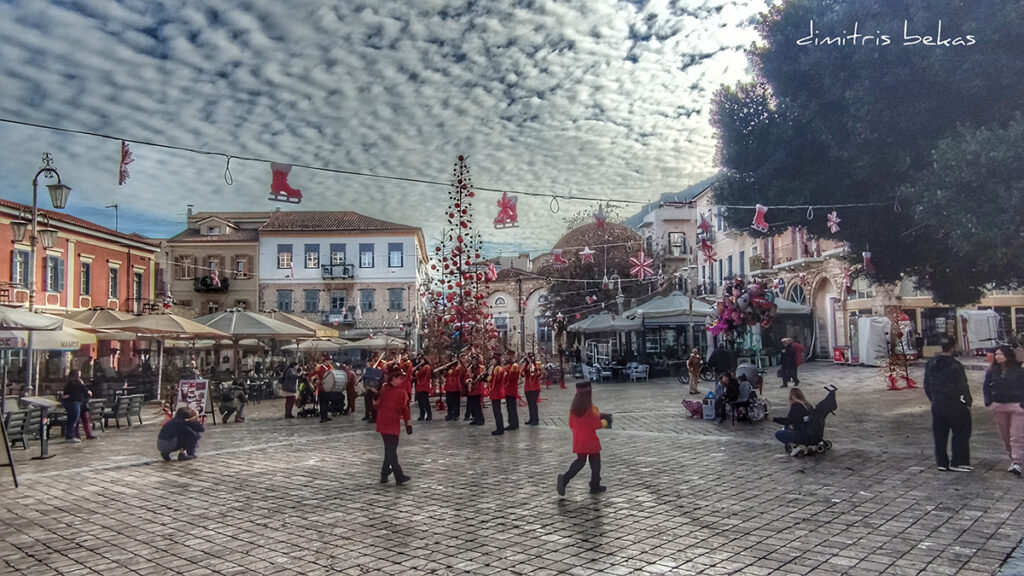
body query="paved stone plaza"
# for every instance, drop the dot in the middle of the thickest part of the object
(685, 496)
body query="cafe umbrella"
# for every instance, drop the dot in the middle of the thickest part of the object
(238, 323)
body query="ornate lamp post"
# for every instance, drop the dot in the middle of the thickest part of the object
(48, 236)
(560, 331)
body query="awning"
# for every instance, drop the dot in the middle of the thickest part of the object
(63, 339)
(676, 320)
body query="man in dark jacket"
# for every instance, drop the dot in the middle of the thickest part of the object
(788, 363)
(722, 360)
(945, 384)
(180, 433)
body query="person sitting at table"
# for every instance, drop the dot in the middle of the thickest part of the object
(181, 434)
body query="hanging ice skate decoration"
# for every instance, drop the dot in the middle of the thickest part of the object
(641, 266)
(507, 217)
(759, 223)
(280, 190)
(600, 218)
(586, 255)
(833, 222)
(126, 159)
(557, 259)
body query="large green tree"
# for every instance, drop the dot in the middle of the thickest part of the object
(931, 126)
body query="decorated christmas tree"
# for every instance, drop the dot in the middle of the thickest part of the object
(458, 320)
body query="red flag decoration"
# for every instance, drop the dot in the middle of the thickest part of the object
(641, 265)
(126, 159)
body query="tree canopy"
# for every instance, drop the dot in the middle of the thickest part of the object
(926, 124)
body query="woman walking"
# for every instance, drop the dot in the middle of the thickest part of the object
(585, 420)
(392, 406)
(1003, 390)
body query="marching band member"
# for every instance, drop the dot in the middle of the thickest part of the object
(511, 377)
(531, 385)
(392, 405)
(495, 376)
(422, 373)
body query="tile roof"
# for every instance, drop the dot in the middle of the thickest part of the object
(193, 235)
(57, 216)
(328, 221)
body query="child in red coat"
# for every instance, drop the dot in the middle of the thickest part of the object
(392, 405)
(585, 420)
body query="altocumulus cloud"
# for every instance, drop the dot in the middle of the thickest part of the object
(587, 97)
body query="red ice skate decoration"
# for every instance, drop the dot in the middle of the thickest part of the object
(508, 216)
(558, 259)
(869, 267)
(280, 190)
(759, 222)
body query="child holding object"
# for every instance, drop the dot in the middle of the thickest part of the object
(180, 433)
(585, 420)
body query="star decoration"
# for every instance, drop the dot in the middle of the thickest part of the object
(833, 222)
(600, 218)
(586, 255)
(641, 266)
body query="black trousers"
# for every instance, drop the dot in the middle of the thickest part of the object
(951, 416)
(577, 465)
(498, 421)
(531, 401)
(324, 401)
(368, 397)
(423, 401)
(454, 400)
(475, 407)
(390, 457)
(513, 412)
(469, 408)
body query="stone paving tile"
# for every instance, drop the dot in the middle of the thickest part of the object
(274, 496)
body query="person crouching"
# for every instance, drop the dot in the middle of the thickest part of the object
(392, 405)
(180, 433)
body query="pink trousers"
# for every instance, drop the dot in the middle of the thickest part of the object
(1009, 420)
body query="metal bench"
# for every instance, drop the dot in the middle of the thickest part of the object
(135, 402)
(117, 411)
(23, 425)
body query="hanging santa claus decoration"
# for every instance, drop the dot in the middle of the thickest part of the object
(507, 217)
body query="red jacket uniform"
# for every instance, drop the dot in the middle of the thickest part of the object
(478, 383)
(403, 381)
(318, 374)
(497, 382)
(392, 407)
(584, 431)
(423, 375)
(454, 379)
(531, 381)
(512, 380)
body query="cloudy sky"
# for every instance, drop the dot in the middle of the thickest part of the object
(577, 97)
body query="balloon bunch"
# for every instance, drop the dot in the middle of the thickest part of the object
(744, 304)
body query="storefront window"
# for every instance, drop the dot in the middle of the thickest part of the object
(937, 323)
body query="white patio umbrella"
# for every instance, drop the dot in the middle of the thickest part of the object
(377, 343)
(239, 323)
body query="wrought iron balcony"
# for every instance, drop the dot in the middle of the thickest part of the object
(337, 271)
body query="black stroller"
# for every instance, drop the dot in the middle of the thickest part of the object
(812, 439)
(306, 402)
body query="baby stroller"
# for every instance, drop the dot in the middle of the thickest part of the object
(813, 440)
(305, 400)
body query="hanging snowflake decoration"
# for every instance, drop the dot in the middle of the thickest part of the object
(833, 222)
(708, 251)
(587, 255)
(641, 266)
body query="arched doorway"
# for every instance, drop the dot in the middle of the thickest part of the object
(824, 318)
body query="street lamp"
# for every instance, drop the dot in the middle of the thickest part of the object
(48, 236)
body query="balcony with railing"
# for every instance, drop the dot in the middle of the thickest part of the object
(337, 271)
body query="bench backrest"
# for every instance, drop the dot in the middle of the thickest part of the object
(135, 402)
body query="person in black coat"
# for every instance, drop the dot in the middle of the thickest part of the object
(722, 360)
(788, 363)
(945, 385)
(795, 422)
(180, 433)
